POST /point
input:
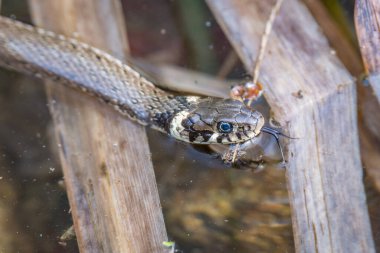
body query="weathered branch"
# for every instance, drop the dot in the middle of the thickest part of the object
(367, 26)
(324, 171)
(367, 21)
(105, 158)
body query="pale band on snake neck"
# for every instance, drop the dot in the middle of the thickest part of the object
(193, 119)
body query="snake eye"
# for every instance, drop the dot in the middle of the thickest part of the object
(225, 127)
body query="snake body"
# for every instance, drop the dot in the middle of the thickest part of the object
(67, 61)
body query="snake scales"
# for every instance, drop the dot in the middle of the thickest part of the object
(193, 119)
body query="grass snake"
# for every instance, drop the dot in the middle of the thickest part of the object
(64, 60)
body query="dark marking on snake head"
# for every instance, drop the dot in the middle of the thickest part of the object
(219, 139)
(194, 118)
(193, 136)
(186, 123)
(206, 135)
(163, 120)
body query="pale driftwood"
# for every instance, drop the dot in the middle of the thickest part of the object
(367, 22)
(367, 13)
(324, 172)
(105, 157)
(369, 120)
(368, 32)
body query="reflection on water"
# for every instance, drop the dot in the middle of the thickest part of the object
(34, 210)
(215, 209)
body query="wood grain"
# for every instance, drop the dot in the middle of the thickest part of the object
(105, 157)
(367, 22)
(324, 172)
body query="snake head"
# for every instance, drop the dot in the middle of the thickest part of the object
(215, 120)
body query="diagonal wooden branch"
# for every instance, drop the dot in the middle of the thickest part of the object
(324, 172)
(367, 22)
(105, 158)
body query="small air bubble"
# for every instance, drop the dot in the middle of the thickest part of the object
(208, 23)
(211, 46)
(163, 31)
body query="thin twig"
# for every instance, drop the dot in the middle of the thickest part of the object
(264, 42)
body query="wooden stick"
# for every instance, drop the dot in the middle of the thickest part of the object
(324, 172)
(367, 22)
(105, 157)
